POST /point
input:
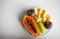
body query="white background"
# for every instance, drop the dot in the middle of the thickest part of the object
(11, 27)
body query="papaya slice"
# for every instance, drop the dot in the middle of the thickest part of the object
(31, 25)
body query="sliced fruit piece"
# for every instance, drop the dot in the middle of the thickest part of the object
(35, 17)
(39, 12)
(33, 29)
(30, 24)
(35, 10)
(43, 13)
(38, 20)
(44, 19)
(41, 27)
(48, 17)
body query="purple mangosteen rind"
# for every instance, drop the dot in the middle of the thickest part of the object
(48, 25)
(31, 12)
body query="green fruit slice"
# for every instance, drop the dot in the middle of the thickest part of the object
(41, 27)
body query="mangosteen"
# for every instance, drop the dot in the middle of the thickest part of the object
(48, 25)
(31, 12)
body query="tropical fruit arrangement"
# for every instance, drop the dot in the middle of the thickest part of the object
(36, 21)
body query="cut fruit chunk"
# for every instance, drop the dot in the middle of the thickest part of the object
(41, 27)
(28, 27)
(39, 12)
(35, 10)
(43, 13)
(48, 17)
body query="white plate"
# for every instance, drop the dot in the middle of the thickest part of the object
(11, 27)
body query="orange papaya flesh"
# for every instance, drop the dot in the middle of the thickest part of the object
(35, 25)
(30, 24)
(26, 25)
(35, 32)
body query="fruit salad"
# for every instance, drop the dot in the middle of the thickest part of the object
(36, 21)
